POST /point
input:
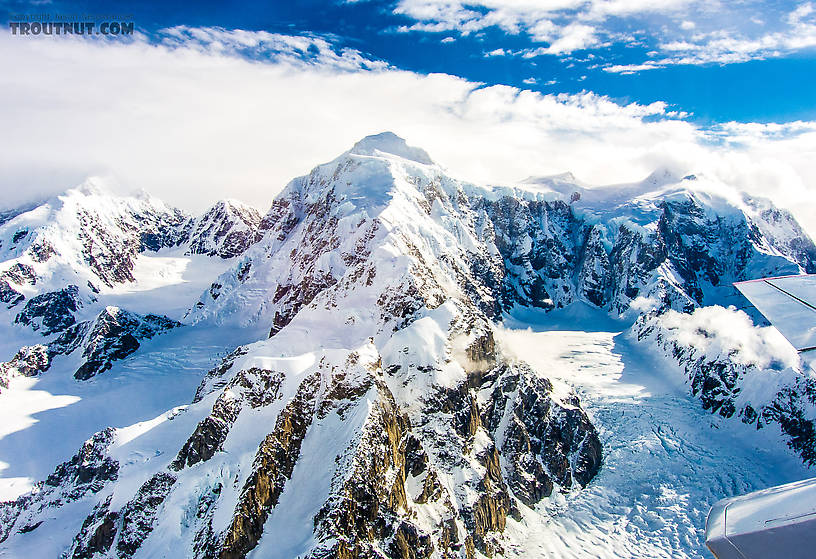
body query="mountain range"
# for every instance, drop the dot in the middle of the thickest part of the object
(393, 363)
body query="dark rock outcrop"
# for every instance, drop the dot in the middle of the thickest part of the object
(114, 335)
(51, 312)
(9, 295)
(253, 387)
(97, 533)
(18, 274)
(371, 505)
(30, 361)
(139, 514)
(273, 466)
(226, 230)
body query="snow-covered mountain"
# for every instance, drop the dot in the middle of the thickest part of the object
(91, 238)
(372, 403)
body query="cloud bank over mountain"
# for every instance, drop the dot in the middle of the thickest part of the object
(200, 112)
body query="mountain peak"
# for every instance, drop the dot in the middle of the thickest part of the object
(664, 175)
(390, 143)
(229, 205)
(91, 186)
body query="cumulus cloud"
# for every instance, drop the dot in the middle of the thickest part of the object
(194, 117)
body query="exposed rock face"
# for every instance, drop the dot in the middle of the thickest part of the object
(214, 379)
(101, 233)
(30, 361)
(552, 257)
(95, 237)
(254, 387)
(371, 505)
(543, 442)
(9, 295)
(90, 468)
(779, 228)
(139, 515)
(114, 335)
(97, 533)
(381, 417)
(21, 274)
(673, 252)
(16, 275)
(593, 271)
(226, 230)
(394, 490)
(210, 433)
(271, 469)
(51, 312)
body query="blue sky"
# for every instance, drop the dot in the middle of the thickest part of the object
(717, 61)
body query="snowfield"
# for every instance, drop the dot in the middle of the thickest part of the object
(44, 420)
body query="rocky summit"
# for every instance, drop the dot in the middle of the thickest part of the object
(393, 363)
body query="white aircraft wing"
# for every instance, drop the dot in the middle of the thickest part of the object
(789, 303)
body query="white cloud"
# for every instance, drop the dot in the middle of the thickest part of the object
(604, 8)
(192, 120)
(722, 46)
(631, 68)
(801, 12)
(572, 37)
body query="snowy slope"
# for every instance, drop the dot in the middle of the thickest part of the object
(369, 401)
(739, 371)
(664, 242)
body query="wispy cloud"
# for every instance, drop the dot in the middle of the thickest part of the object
(294, 49)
